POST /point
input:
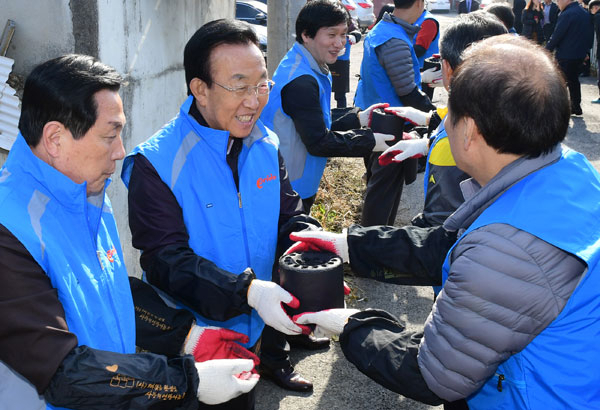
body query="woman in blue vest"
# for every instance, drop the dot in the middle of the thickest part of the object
(516, 323)
(299, 108)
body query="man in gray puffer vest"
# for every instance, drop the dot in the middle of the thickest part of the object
(517, 322)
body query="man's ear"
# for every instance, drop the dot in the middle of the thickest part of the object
(472, 135)
(52, 136)
(304, 37)
(447, 73)
(199, 90)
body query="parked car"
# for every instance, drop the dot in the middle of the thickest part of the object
(438, 5)
(251, 11)
(254, 13)
(351, 6)
(365, 14)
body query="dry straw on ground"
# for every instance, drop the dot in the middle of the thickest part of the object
(339, 200)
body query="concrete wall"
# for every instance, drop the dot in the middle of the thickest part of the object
(143, 39)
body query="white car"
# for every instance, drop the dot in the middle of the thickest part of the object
(351, 6)
(361, 11)
(366, 16)
(438, 5)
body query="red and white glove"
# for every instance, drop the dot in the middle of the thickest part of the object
(224, 379)
(364, 116)
(328, 322)
(380, 141)
(410, 114)
(432, 77)
(351, 39)
(268, 298)
(209, 343)
(321, 241)
(406, 148)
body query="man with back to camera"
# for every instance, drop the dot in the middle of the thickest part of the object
(68, 326)
(210, 200)
(299, 107)
(516, 323)
(390, 73)
(572, 38)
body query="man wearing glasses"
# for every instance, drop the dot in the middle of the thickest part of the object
(209, 196)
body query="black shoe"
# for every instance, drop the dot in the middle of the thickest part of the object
(287, 378)
(576, 111)
(308, 342)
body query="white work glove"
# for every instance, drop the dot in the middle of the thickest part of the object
(364, 116)
(406, 148)
(321, 241)
(329, 322)
(267, 298)
(380, 140)
(410, 114)
(432, 77)
(224, 379)
(351, 39)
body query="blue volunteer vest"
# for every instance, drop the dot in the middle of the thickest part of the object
(374, 85)
(559, 204)
(76, 243)
(305, 170)
(434, 47)
(235, 231)
(346, 55)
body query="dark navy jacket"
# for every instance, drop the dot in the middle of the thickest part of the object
(573, 35)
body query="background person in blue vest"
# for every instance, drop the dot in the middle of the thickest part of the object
(442, 177)
(209, 198)
(68, 326)
(340, 70)
(299, 109)
(571, 40)
(426, 44)
(516, 323)
(390, 73)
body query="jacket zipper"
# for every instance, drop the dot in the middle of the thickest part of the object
(500, 378)
(102, 281)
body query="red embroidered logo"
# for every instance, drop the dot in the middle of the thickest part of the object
(261, 181)
(110, 253)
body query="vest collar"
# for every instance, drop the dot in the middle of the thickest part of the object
(323, 70)
(70, 194)
(478, 198)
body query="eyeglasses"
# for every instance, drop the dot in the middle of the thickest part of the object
(263, 88)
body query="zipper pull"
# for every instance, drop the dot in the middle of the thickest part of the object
(500, 378)
(240, 199)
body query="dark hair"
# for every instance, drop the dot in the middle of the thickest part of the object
(62, 89)
(466, 30)
(594, 3)
(403, 4)
(197, 52)
(317, 14)
(504, 13)
(514, 111)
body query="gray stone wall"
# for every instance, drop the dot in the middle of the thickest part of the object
(143, 39)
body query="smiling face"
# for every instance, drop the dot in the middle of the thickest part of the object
(92, 158)
(233, 66)
(327, 43)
